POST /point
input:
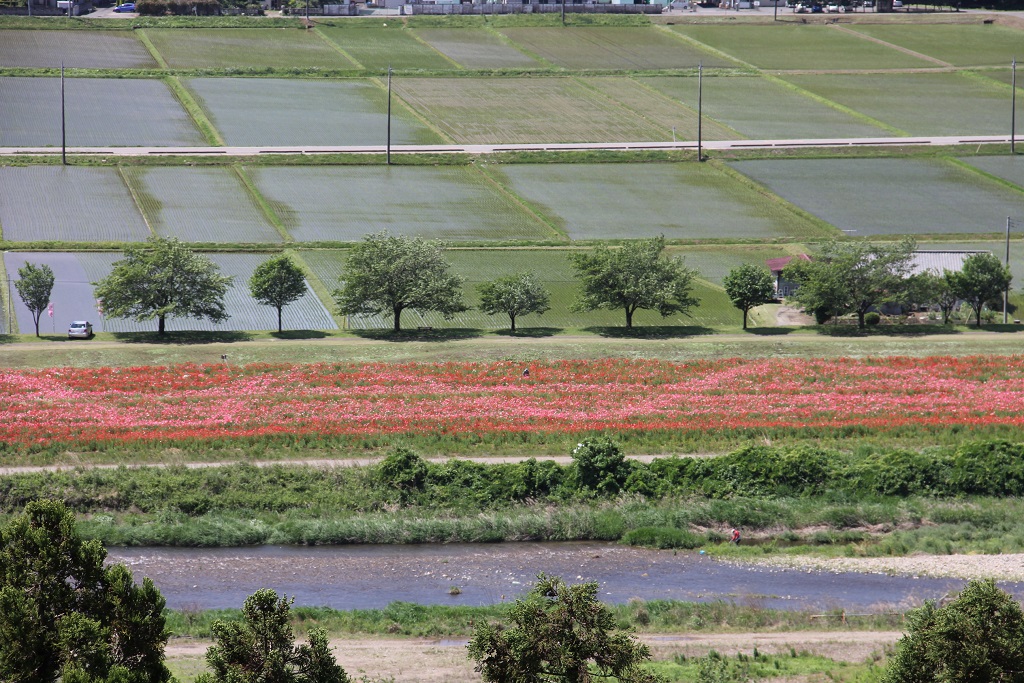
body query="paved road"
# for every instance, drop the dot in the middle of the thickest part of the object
(948, 140)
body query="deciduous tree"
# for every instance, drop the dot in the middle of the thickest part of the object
(749, 286)
(977, 638)
(35, 285)
(277, 282)
(635, 277)
(64, 616)
(852, 277)
(982, 279)
(386, 274)
(557, 634)
(514, 295)
(261, 648)
(161, 279)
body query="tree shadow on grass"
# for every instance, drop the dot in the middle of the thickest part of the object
(192, 337)
(421, 334)
(884, 330)
(300, 334)
(529, 332)
(8, 338)
(652, 332)
(770, 331)
(1008, 328)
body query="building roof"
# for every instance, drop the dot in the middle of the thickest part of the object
(939, 261)
(777, 264)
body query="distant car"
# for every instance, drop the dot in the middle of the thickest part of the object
(832, 8)
(896, 4)
(817, 9)
(80, 329)
(126, 7)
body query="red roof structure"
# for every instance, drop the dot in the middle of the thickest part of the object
(777, 264)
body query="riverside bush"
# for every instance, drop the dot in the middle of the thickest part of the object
(728, 484)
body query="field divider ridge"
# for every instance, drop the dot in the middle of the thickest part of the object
(828, 229)
(704, 47)
(133, 191)
(595, 90)
(261, 202)
(974, 170)
(195, 111)
(148, 44)
(338, 48)
(319, 287)
(679, 103)
(519, 201)
(445, 138)
(424, 43)
(849, 111)
(6, 302)
(529, 53)
(899, 48)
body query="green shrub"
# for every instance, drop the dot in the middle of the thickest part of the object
(872, 318)
(600, 465)
(403, 470)
(663, 537)
(157, 8)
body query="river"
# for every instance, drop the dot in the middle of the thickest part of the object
(353, 577)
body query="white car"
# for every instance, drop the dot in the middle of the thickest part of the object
(80, 329)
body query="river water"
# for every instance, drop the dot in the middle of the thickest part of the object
(351, 577)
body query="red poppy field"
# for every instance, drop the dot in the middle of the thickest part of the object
(344, 403)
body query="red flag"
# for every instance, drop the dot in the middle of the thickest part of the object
(49, 310)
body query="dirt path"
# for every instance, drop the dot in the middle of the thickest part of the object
(419, 660)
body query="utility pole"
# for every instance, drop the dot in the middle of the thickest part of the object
(700, 106)
(1013, 106)
(63, 123)
(1006, 292)
(389, 116)
(563, 12)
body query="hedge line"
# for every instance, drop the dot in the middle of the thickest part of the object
(599, 470)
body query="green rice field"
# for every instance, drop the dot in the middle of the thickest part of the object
(552, 268)
(477, 49)
(205, 204)
(624, 201)
(714, 261)
(239, 48)
(77, 49)
(524, 110)
(762, 109)
(920, 103)
(100, 112)
(276, 111)
(796, 46)
(73, 204)
(972, 45)
(612, 48)
(345, 203)
(890, 196)
(380, 47)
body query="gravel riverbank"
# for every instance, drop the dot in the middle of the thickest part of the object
(997, 567)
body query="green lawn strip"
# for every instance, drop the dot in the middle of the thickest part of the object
(415, 113)
(763, 666)
(818, 228)
(517, 200)
(646, 616)
(144, 39)
(529, 53)
(337, 48)
(835, 105)
(322, 289)
(147, 204)
(261, 201)
(195, 111)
